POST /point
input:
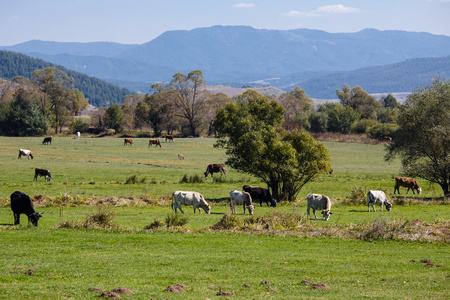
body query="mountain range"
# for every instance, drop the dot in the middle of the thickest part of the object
(317, 61)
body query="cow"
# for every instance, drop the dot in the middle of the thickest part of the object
(22, 204)
(155, 142)
(24, 152)
(316, 201)
(169, 137)
(47, 140)
(377, 196)
(127, 141)
(261, 194)
(180, 156)
(215, 168)
(189, 198)
(241, 198)
(42, 172)
(410, 183)
(78, 134)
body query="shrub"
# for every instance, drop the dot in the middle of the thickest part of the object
(155, 225)
(133, 179)
(100, 219)
(175, 220)
(362, 125)
(379, 131)
(192, 179)
(228, 221)
(79, 126)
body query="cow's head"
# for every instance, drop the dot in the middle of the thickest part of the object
(48, 177)
(419, 190)
(388, 206)
(31, 155)
(34, 218)
(326, 214)
(273, 203)
(206, 174)
(251, 208)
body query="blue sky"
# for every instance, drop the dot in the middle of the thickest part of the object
(139, 21)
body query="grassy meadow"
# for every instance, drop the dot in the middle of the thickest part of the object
(68, 261)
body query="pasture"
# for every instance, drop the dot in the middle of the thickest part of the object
(67, 262)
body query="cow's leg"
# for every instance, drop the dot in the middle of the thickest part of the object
(314, 212)
(373, 206)
(35, 177)
(16, 219)
(179, 206)
(243, 205)
(381, 205)
(307, 212)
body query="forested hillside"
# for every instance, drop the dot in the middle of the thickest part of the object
(99, 92)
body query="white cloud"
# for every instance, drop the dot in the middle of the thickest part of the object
(244, 5)
(323, 10)
(337, 9)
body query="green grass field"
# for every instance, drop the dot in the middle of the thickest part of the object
(69, 261)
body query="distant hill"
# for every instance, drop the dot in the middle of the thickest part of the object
(238, 55)
(99, 92)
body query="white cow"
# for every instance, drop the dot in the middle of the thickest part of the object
(316, 201)
(24, 152)
(189, 198)
(241, 198)
(377, 196)
(78, 134)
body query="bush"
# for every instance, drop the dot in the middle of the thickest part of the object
(133, 179)
(192, 179)
(155, 225)
(379, 131)
(175, 220)
(79, 126)
(362, 125)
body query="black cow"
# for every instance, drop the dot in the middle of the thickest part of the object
(42, 172)
(215, 168)
(47, 140)
(22, 204)
(261, 194)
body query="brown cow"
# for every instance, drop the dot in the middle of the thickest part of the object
(180, 156)
(409, 183)
(215, 168)
(127, 141)
(155, 142)
(169, 137)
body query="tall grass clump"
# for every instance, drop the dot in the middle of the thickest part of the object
(175, 220)
(228, 221)
(133, 179)
(192, 179)
(101, 219)
(357, 196)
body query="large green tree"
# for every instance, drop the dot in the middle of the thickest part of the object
(423, 138)
(189, 97)
(255, 143)
(56, 85)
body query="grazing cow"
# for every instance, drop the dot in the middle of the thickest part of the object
(127, 141)
(409, 183)
(47, 140)
(316, 201)
(189, 198)
(155, 142)
(261, 194)
(24, 152)
(377, 196)
(215, 168)
(387, 138)
(22, 204)
(169, 137)
(78, 134)
(180, 156)
(241, 198)
(42, 172)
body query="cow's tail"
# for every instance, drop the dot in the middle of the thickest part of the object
(171, 205)
(369, 197)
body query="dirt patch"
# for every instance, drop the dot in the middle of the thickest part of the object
(97, 289)
(224, 293)
(272, 289)
(110, 295)
(305, 281)
(178, 288)
(121, 290)
(429, 265)
(265, 283)
(29, 272)
(320, 286)
(246, 285)
(426, 261)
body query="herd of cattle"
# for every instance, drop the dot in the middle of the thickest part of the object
(22, 204)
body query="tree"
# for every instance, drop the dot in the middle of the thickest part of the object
(389, 101)
(255, 143)
(294, 102)
(359, 100)
(423, 138)
(56, 85)
(189, 96)
(341, 118)
(114, 117)
(22, 117)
